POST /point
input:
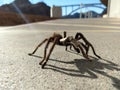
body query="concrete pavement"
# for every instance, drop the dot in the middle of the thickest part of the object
(65, 70)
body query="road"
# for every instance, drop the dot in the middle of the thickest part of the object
(65, 70)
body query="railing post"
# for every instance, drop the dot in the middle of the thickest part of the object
(81, 5)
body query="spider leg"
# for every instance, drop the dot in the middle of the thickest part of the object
(95, 52)
(84, 54)
(45, 51)
(78, 36)
(70, 47)
(38, 47)
(76, 48)
(79, 48)
(65, 34)
(86, 47)
(51, 49)
(66, 46)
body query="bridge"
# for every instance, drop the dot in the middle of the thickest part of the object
(70, 9)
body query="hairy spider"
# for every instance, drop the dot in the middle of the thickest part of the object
(58, 39)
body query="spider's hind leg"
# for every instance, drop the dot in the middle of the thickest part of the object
(95, 52)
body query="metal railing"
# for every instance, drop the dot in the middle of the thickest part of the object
(70, 9)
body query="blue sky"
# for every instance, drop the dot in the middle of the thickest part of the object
(56, 2)
(60, 2)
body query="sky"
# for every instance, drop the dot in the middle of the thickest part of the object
(55, 2)
(60, 2)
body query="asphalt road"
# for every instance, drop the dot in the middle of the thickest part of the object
(65, 70)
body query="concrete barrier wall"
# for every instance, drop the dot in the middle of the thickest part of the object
(56, 12)
(114, 8)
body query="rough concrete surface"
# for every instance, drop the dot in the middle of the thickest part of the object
(65, 70)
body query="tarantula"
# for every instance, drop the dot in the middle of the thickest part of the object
(58, 39)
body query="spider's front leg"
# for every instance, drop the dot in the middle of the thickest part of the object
(37, 47)
(45, 51)
(51, 49)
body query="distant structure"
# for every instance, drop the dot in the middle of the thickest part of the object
(69, 11)
(56, 11)
(113, 8)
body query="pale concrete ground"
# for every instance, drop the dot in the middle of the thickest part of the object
(65, 70)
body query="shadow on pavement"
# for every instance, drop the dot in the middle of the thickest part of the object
(91, 68)
(87, 69)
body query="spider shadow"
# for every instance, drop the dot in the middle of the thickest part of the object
(42, 57)
(107, 64)
(87, 69)
(112, 63)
